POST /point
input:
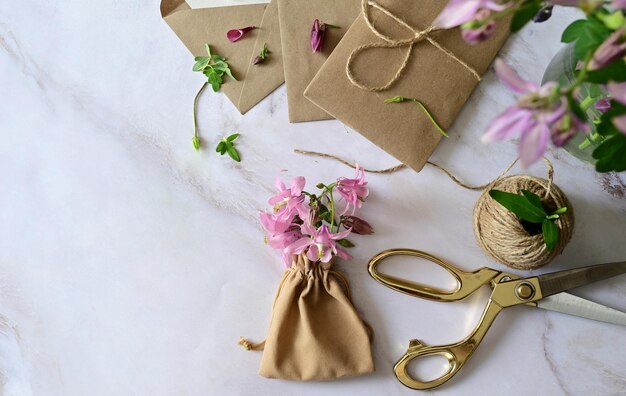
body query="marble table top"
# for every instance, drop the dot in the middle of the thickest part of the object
(130, 264)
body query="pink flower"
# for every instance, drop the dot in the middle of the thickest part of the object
(320, 245)
(318, 32)
(235, 34)
(480, 33)
(618, 4)
(353, 191)
(612, 49)
(540, 114)
(618, 92)
(290, 201)
(274, 224)
(458, 12)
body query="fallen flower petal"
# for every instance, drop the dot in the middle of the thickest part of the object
(235, 34)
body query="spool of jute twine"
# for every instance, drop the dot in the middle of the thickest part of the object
(499, 232)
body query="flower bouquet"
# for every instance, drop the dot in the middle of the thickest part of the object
(556, 111)
(315, 332)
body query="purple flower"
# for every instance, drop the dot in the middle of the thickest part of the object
(613, 48)
(319, 245)
(318, 32)
(603, 105)
(458, 12)
(353, 191)
(235, 34)
(482, 31)
(540, 114)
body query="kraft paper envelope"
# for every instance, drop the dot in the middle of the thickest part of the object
(301, 63)
(198, 26)
(442, 83)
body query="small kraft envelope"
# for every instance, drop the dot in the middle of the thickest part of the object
(398, 53)
(301, 63)
(197, 22)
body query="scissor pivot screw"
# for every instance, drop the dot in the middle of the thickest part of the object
(524, 291)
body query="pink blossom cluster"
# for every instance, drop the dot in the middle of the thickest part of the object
(315, 224)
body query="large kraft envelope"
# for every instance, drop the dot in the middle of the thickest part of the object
(195, 27)
(440, 82)
(301, 63)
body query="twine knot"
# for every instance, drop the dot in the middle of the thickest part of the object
(389, 42)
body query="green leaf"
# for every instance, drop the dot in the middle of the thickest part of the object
(606, 126)
(519, 205)
(550, 234)
(533, 199)
(217, 58)
(560, 211)
(573, 31)
(615, 71)
(592, 35)
(611, 154)
(395, 99)
(524, 15)
(345, 243)
(201, 63)
(232, 137)
(613, 21)
(220, 147)
(208, 49)
(216, 86)
(229, 73)
(233, 153)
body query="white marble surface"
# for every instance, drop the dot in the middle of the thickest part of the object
(130, 265)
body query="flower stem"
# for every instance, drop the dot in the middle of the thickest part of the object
(196, 138)
(332, 208)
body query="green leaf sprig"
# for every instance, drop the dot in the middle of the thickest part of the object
(400, 99)
(226, 145)
(528, 207)
(213, 67)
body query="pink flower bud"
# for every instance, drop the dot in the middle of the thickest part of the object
(318, 31)
(358, 225)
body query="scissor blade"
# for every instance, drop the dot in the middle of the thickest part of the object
(557, 282)
(578, 306)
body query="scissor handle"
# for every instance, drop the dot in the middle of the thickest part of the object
(457, 354)
(467, 282)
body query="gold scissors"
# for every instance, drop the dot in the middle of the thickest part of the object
(543, 291)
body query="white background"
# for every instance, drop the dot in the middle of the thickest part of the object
(130, 264)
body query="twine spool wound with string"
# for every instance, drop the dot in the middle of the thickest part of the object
(500, 233)
(510, 241)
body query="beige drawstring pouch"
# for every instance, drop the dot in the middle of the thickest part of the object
(315, 332)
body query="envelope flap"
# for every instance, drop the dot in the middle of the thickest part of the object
(195, 27)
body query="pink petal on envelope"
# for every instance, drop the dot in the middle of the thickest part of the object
(235, 34)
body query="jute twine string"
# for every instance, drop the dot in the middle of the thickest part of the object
(418, 36)
(500, 233)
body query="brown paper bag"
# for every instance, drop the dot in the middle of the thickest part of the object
(301, 63)
(195, 27)
(315, 332)
(431, 75)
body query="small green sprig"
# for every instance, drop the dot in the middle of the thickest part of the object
(400, 99)
(226, 145)
(213, 67)
(260, 58)
(528, 207)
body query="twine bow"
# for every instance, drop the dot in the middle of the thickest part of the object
(418, 36)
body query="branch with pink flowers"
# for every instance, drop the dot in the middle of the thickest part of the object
(316, 224)
(555, 112)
